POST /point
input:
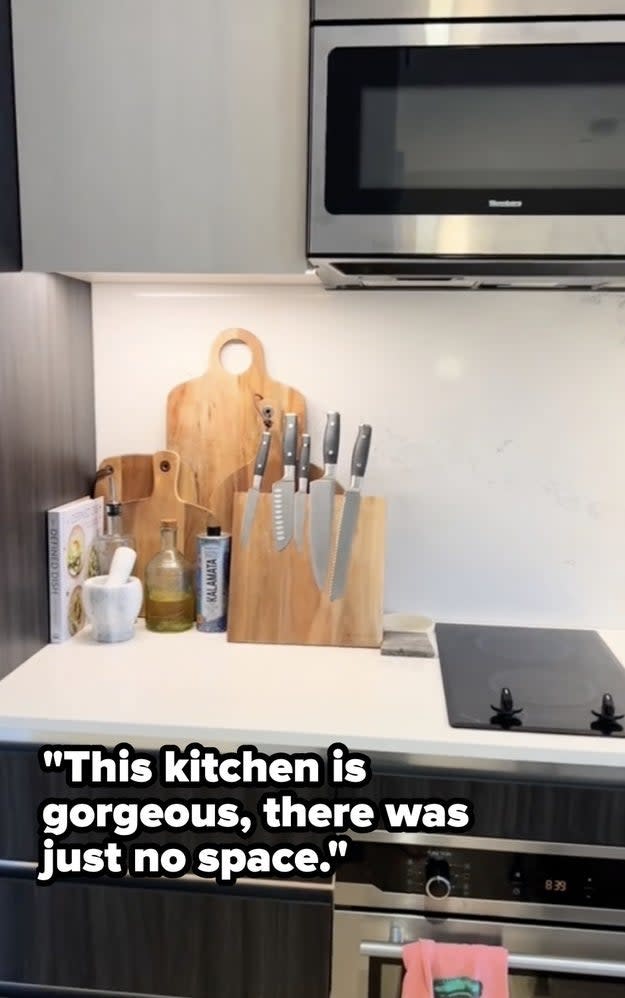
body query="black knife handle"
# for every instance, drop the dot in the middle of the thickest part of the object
(263, 454)
(332, 438)
(303, 470)
(360, 454)
(289, 443)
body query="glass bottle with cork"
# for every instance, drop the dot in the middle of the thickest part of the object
(169, 594)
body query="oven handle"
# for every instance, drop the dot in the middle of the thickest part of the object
(520, 961)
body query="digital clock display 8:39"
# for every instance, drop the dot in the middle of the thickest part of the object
(553, 886)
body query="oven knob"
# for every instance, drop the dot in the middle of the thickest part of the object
(396, 935)
(437, 879)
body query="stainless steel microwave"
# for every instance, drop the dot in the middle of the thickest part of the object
(467, 143)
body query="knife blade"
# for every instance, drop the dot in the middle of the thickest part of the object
(301, 496)
(322, 501)
(284, 490)
(349, 515)
(252, 496)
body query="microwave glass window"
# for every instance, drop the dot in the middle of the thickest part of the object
(510, 137)
(534, 129)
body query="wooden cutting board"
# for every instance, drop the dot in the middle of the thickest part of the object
(142, 517)
(215, 421)
(273, 595)
(134, 478)
(222, 500)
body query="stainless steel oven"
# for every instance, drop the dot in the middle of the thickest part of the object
(559, 910)
(465, 141)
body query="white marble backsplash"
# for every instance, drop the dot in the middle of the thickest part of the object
(498, 426)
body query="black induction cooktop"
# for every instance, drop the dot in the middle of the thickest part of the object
(531, 679)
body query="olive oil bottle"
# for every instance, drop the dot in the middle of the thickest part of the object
(169, 595)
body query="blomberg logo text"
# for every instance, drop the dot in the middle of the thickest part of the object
(492, 203)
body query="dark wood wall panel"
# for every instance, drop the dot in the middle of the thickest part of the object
(47, 440)
(10, 238)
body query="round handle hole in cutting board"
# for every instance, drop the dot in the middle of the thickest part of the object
(235, 357)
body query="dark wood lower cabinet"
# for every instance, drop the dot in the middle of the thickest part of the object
(164, 940)
(23, 786)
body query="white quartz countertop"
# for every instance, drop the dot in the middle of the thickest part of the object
(187, 687)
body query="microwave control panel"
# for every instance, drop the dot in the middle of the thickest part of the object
(533, 878)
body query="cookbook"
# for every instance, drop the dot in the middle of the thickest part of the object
(72, 531)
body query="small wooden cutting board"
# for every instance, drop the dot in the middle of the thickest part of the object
(134, 478)
(142, 517)
(215, 421)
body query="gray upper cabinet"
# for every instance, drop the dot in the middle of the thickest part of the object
(162, 135)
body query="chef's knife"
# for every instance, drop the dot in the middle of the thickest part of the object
(301, 496)
(322, 501)
(349, 516)
(284, 490)
(253, 494)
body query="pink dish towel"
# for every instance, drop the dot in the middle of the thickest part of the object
(449, 970)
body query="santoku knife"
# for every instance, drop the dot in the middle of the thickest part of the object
(284, 490)
(301, 496)
(322, 501)
(349, 516)
(253, 494)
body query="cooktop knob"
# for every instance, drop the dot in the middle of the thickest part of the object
(607, 718)
(608, 710)
(437, 879)
(506, 713)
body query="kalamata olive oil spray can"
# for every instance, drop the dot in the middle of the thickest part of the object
(213, 580)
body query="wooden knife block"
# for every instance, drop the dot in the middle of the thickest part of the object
(274, 598)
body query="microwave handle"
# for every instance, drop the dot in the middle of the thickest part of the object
(520, 961)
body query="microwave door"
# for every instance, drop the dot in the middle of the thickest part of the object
(468, 139)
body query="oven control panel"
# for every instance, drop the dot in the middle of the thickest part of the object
(535, 878)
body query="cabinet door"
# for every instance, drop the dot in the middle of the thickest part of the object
(163, 941)
(10, 256)
(157, 136)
